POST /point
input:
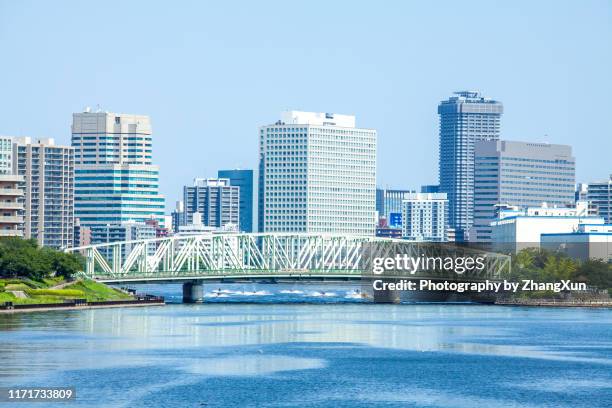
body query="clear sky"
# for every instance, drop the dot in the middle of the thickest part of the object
(209, 73)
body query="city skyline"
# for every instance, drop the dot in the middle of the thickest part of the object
(209, 86)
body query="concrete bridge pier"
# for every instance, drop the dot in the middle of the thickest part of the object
(387, 295)
(193, 292)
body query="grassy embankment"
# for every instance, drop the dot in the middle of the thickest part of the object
(40, 292)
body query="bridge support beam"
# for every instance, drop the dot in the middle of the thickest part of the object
(193, 292)
(387, 295)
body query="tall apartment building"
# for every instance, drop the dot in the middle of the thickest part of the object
(48, 187)
(599, 194)
(317, 174)
(425, 217)
(216, 200)
(465, 118)
(519, 174)
(389, 204)
(244, 180)
(11, 209)
(116, 181)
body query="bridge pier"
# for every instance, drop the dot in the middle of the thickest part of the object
(193, 292)
(387, 295)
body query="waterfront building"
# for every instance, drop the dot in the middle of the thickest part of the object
(588, 241)
(599, 194)
(425, 217)
(389, 205)
(317, 174)
(516, 228)
(47, 172)
(243, 179)
(11, 209)
(465, 118)
(519, 174)
(116, 180)
(215, 199)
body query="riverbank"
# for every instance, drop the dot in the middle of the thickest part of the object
(24, 308)
(55, 292)
(555, 303)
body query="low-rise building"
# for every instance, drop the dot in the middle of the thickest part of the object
(589, 241)
(516, 229)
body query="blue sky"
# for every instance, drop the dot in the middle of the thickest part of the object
(209, 73)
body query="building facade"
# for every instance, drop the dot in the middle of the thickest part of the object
(11, 207)
(389, 205)
(465, 118)
(216, 200)
(519, 174)
(588, 241)
(425, 217)
(517, 229)
(243, 179)
(48, 190)
(126, 231)
(116, 181)
(599, 194)
(317, 174)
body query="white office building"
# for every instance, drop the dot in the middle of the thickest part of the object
(425, 217)
(517, 229)
(522, 174)
(317, 173)
(115, 180)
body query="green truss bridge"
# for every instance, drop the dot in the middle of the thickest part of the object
(195, 259)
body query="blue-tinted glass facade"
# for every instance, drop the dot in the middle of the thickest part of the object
(244, 180)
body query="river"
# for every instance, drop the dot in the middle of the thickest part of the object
(311, 346)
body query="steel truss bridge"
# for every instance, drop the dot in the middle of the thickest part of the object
(282, 256)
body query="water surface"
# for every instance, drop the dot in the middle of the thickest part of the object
(325, 351)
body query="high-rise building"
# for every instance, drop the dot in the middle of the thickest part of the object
(389, 205)
(317, 174)
(425, 217)
(216, 200)
(48, 186)
(178, 216)
(116, 181)
(244, 180)
(430, 188)
(465, 118)
(519, 174)
(599, 194)
(11, 209)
